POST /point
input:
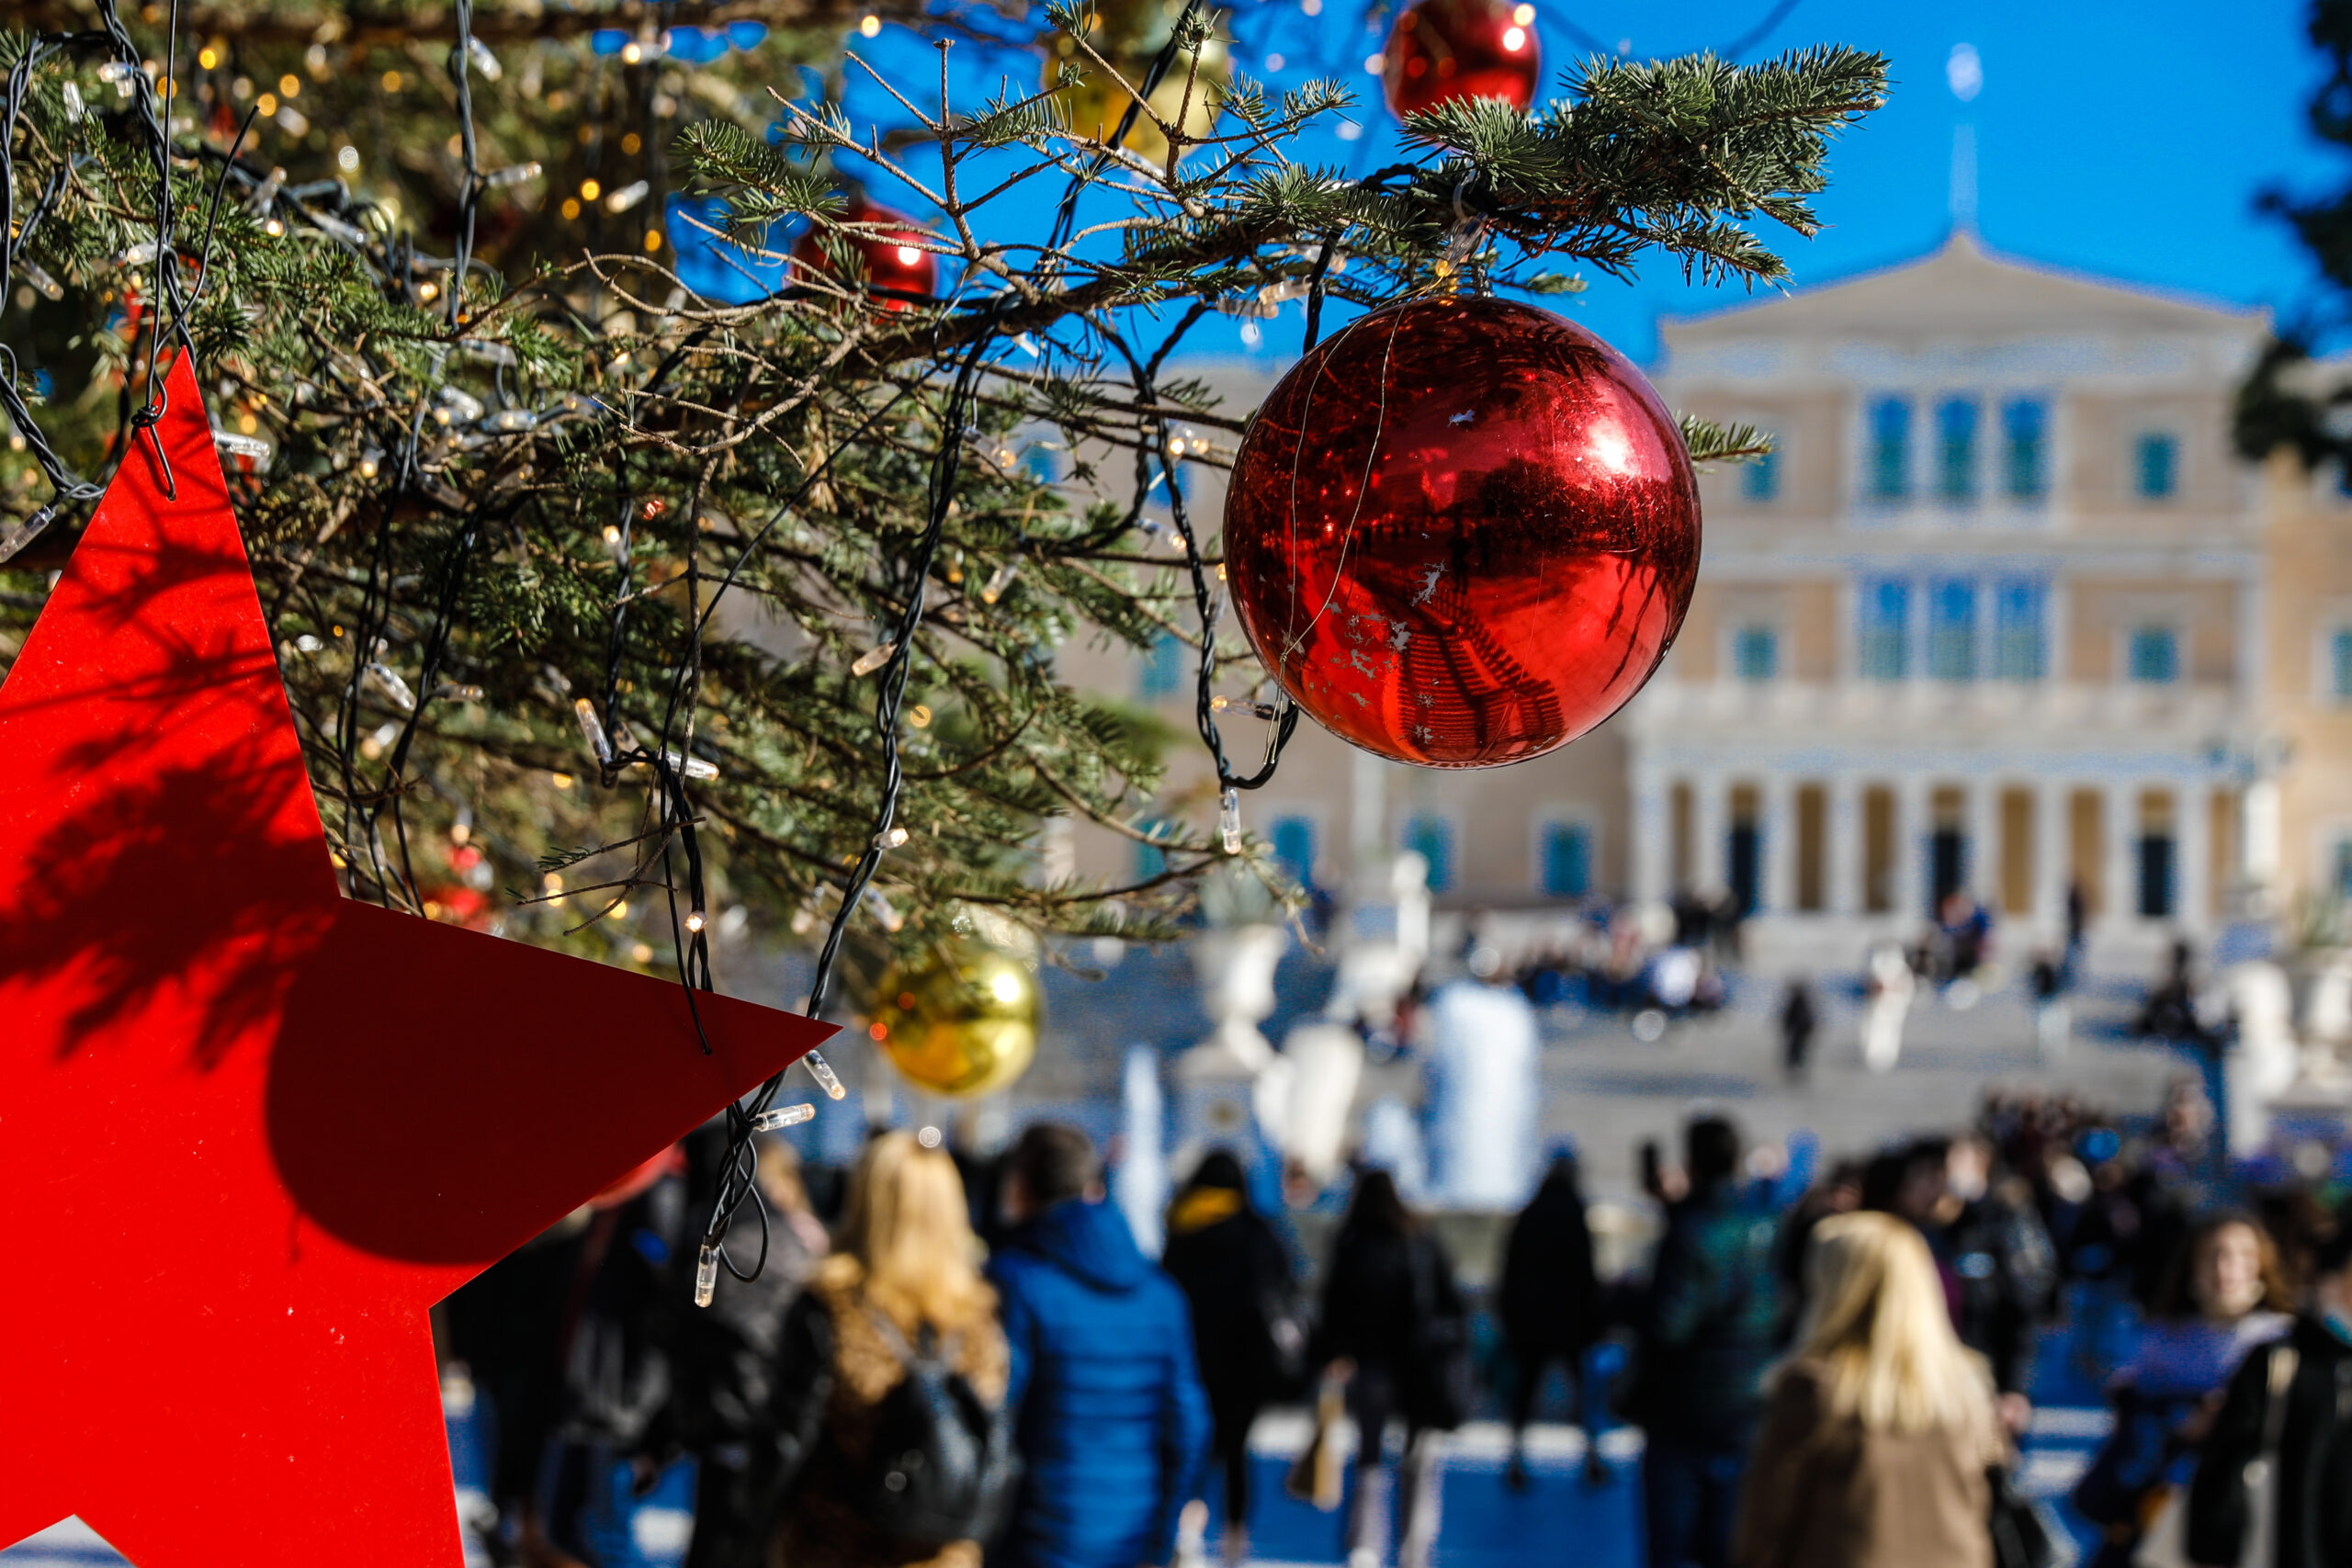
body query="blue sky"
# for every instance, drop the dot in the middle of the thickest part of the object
(2123, 140)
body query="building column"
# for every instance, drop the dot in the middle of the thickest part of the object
(2053, 862)
(2192, 856)
(2121, 810)
(1779, 882)
(1985, 847)
(1653, 829)
(1910, 850)
(1710, 832)
(1842, 857)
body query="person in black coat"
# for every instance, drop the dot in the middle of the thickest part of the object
(1246, 1326)
(2313, 1432)
(1550, 1303)
(1394, 1328)
(1797, 1023)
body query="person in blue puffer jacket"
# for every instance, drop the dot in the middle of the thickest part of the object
(1110, 1418)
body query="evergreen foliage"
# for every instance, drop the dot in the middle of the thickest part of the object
(554, 479)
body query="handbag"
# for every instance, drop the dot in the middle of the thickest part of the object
(1318, 1475)
(2020, 1537)
(2166, 1543)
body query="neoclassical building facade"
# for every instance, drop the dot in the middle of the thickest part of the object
(2004, 615)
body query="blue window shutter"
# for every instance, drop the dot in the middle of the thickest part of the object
(1568, 860)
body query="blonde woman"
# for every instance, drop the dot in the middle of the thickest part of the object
(1881, 1428)
(898, 1310)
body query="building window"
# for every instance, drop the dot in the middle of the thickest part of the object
(1759, 477)
(1890, 476)
(1150, 859)
(1956, 450)
(1568, 860)
(1884, 638)
(2020, 645)
(1293, 842)
(1163, 668)
(2156, 467)
(2023, 422)
(1430, 835)
(1755, 653)
(2154, 658)
(1952, 630)
(2339, 662)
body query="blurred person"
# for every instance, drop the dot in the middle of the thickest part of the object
(729, 1355)
(1876, 1446)
(503, 1325)
(1247, 1329)
(1708, 1327)
(1395, 1330)
(2054, 1021)
(614, 1352)
(2223, 1299)
(1889, 983)
(1989, 1247)
(2278, 1462)
(1112, 1423)
(897, 1319)
(1550, 1306)
(1797, 1023)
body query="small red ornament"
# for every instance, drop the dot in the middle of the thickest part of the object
(249, 1129)
(896, 263)
(1443, 49)
(1462, 532)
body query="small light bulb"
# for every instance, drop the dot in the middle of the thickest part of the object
(873, 659)
(591, 729)
(590, 190)
(909, 255)
(697, 921)
(892, 840)
(1229, 820)
(1523, 15)
(629, 196)
(1514, 39)
(705, 1275)
(822, 1071)
(631, 53)
(999, 581)
(783, 1116)
(870, 27)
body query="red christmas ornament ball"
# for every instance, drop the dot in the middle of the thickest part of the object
(895, 262)
(1462, 532)
(1443, 49)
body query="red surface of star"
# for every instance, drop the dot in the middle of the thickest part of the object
(897, 267)
(250, 1129)
(1462, 532)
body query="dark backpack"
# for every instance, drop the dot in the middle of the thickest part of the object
(942, 1467)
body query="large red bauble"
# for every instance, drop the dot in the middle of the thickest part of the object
(895, 264)
(1441, 50)
(1462, 532)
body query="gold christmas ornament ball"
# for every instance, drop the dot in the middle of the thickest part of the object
(960, 1020)
(1130, 37)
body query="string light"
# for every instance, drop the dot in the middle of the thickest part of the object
(783, 1116)
(892, 839)
(695, 922)
(1229, 820)
(873, 659)
(591, 729)
(999, 581)
(706, 1262)
(629, 196)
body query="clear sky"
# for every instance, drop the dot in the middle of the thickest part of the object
(2125, 141)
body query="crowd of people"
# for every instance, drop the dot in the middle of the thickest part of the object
(977, 1361)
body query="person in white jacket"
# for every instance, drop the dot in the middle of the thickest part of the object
(1890, 982)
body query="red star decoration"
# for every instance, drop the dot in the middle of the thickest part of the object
(250, 1129)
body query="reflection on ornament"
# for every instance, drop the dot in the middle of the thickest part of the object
(894, 264)
(960, 1019)
(1462, 532)
(1131, 37)
(1443, 49)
